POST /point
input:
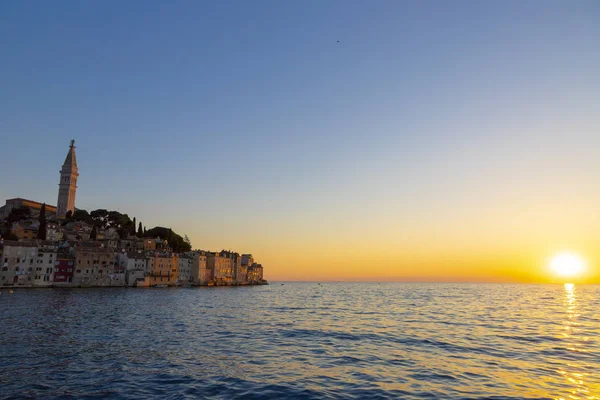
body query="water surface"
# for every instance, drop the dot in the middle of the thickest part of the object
(302, 340)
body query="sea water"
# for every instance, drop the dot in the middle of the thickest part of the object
(302, 340)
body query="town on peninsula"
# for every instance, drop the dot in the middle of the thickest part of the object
(62, 246)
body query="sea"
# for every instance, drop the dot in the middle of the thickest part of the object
(302, 341)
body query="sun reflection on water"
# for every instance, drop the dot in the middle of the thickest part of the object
(575, 377)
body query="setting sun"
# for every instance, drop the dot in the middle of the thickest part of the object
(567, 264)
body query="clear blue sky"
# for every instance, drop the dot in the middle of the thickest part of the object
(247, 125)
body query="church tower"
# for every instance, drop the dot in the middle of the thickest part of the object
(68, 184)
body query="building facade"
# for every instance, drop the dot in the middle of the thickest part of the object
(96, 266)
(63, 271)
(28, 263)
(33, 205)
(163, 269)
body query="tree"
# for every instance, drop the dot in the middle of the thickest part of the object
(133, 227)
(69, 214)
(140, 232)
(187, 241)
(42, 220)
(93, 233)
(145, 231)
(176, 242)
(82, 215)
(100, 218)
(18, 214)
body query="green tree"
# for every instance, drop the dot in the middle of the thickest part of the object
(42, 220)
(93, 233)
(140, 232)
(133, 227)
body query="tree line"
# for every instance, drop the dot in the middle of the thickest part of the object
(100, 219)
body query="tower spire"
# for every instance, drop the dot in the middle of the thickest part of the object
(67, 187)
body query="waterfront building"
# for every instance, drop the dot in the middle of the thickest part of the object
(43, 274)
(67, 187)
(135, 264)
(97, 266)
(17, 265)
(247, 260)
(185, 269)
(255, 273)
(201, 275)
(63, 271)
(241, 276)
(163, 268)
(221, 266)
(28, 263)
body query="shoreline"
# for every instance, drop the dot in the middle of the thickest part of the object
(13, 287)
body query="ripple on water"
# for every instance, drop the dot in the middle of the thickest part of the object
(302, 340)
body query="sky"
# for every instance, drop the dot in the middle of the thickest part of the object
(333, 140)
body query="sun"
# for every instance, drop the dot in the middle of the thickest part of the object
(567, 264)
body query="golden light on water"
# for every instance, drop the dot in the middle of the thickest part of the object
(567, 265)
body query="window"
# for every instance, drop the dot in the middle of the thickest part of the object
(31, 261)
(70, 262)
(78, 271)
(69, 269)
(56, 263)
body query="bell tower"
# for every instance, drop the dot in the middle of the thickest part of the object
(68, 184)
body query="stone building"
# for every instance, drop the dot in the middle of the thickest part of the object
(97, 266)
(201, 275)
(163, 269)
(34, 206)
(67, 187)
(255, 273)
(135, 264)
(221, 266)
(28, 263)
(45, 265)
(185, 270)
